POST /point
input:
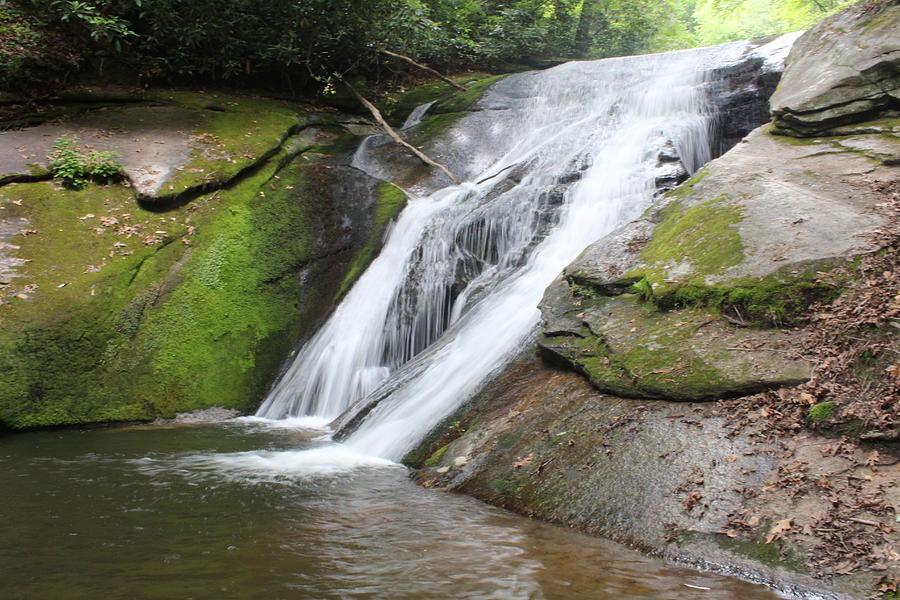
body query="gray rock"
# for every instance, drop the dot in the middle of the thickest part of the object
(663, 477)
(841, 71)
(153, 142)
(795, 203)
(759, 222)
(629, 348)
(213, 414)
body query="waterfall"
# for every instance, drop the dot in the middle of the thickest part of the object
(554, 160)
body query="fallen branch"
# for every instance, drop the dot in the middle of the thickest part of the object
(389, 131)
(424, 68)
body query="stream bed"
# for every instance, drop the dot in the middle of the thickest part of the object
(243, 509)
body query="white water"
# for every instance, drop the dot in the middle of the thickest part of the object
(453, 294)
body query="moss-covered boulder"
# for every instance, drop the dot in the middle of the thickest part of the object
(172, 145)
(685, 302)
(117, 309)
(661, 307)
(629, 348)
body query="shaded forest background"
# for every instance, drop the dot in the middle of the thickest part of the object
(304, 46)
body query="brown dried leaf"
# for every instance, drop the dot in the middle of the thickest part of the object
(780, 527)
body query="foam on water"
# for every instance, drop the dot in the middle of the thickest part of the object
(304, 423)
(266, 466)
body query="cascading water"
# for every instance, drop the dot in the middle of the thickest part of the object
(555, 160)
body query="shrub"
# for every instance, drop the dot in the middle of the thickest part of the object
(76, 166)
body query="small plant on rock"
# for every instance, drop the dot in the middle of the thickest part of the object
(76, 166)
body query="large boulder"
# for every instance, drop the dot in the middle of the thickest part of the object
(844, 70)
(114, 309)
(674, 479)
(661, 307)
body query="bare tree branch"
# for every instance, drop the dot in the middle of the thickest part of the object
(396, 136)
(424, 68)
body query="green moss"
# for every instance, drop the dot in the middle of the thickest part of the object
(244, 132)
(435, 458)
(390, 200)
(54, 345)
(821, 412)
(781, 298)
(789, 137)
(686, 188)
(433, 126)
(655, 364)
(119, 329)
(463, 101)
(502, 486)
(397, 107)
(447, 112)
(703, 241)
(705, 235)
(775, 554)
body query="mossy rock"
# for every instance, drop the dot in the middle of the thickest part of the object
(629, 348)
(128, 314)
(397, 106)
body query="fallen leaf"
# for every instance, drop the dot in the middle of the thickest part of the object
(872, 460)
(780, 527)
(894, 370)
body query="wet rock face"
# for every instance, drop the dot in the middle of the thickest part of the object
(844, 70)
(741, 93)
(669, 478)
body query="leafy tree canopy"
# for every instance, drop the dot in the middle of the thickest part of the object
(287, 43)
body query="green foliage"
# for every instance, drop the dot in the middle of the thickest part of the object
(90, 19)
(20, 43)
(435, 459)
(77, 166)
(29, 52)
(821, 411)
(719, 21)
(314, 44)
(643, 288)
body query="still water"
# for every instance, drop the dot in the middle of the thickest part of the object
(235, 510)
